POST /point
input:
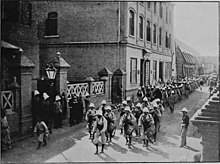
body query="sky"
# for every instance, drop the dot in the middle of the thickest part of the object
(196, 24)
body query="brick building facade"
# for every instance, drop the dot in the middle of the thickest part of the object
(136, 37)
(132, 40)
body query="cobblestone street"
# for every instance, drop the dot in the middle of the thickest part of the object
(73, 144)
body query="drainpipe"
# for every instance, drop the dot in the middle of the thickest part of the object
(119, 34)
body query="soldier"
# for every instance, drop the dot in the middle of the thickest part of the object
(184, 127)
(42, 132)
(130, 103)
(102, 107)
(127, 122)
(36, 106)
(156, 114)
(47, 114)
(145, 122)
(139, 95)
(157, 93)
(137, 112)
(111, 119)
(58, 112)
(73, 105)
(172, 101)
(90, 118)
(121, 109)
(99, 128)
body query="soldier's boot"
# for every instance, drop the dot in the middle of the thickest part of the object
(39, 145)
(144, 142)
(126, 140)
(102, 151)
(121, 131)
(155, 136)
(129, 144)
(97, 147)
(45, 143)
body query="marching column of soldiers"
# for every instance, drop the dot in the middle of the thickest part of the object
(144, 118)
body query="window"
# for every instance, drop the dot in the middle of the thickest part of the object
(166, 15)
(170, 16)
(168, 70)
(169, 40)
(155, 7)
(166, 41)
(155, 34)
(141, 25)
(148, 31)
(131, 23)
(155, 70)
(160, 36)
(161, 10)
(26, 13)
(148, 5)
(51, 24)
(10, 11)
(133, 71)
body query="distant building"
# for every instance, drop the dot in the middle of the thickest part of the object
(186, 62)
(208, 64)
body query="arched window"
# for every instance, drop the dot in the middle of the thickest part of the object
(148, 31)
(51, 24)
(141, 26)
(155, 34)
(131, 22)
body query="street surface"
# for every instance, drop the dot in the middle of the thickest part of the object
(72, 144)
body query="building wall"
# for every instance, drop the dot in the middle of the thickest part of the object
(86, 60)
(79, 21)
(179, 62)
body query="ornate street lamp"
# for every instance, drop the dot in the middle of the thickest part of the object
(51, 72)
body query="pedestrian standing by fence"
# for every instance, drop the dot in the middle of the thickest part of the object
(36, 106)
(5, 132)
(58, 112)
(73, 105)
(184, 127)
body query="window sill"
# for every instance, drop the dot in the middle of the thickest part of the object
(132, 36)
(51, 36)
(141, 39)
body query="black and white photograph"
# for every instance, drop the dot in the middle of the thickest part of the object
(89, 81)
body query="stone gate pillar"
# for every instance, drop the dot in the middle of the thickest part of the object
(26, 95)
(61, 76)
(106, 75)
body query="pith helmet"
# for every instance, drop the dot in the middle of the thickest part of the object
(91, 105)
(124, 102)
(36, 92)
(57, 98)
(45, 96)
(108, 107)
(103, 102)
(127, 108)
(145, 99)
(99, 112)
(139, 105)
(128, 98)
(184, 110)
(146, 110)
